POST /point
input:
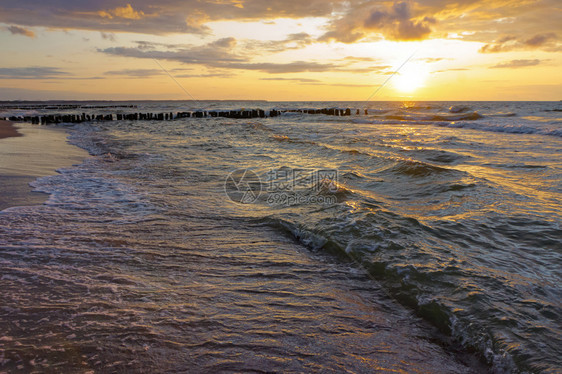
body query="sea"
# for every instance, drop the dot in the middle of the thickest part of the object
(419, 237)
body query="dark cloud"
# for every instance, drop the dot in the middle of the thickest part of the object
(142, 44)
(395, 23)
(223, 54)
(16, 30)
(513, 64)
(510, 43)
(540, 40)
(349, 21)
(212, 54)
(40, 72)
(32, 72)
(107, 16)
(149, 17)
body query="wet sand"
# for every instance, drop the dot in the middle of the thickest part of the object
(28, 152)
(8, 130)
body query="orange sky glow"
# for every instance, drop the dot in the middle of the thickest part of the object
(281, 50)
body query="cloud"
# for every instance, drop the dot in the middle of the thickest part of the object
(135, 73)
(431, 60)
(281, 68)
(207, 75)
(292, 41)
(39, 72)
(501, 25)
(215, 53)
(16, 30)
(148, 73)
(150, 17)
(540, 39)
(106, 16)
(344, 21)
(397, 23)
(513, 64)
(358, 59)
(142, 44)
(394, 23)
(223, 54)
(316, 82)
(126, 12)
(508, 43)
(32, 72)
(302, 80)
(108, 36)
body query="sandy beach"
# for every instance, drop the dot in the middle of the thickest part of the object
(7, 130)
(28, 152)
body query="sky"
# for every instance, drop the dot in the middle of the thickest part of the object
(281, 50)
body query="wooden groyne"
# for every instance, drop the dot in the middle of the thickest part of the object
(235, 114)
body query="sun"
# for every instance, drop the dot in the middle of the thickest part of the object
(410, 78)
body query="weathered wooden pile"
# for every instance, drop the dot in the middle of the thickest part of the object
(236, 114)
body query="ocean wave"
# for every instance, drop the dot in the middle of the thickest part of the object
(416, 169)
(18, 112)
(353, 175)
(506, 115)
(374, 249)
(377, 111)
(439, 156)
(472, 116)
(417, 106)
(459, 108)
(503, 128)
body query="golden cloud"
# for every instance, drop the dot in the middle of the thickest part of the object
(126, 12)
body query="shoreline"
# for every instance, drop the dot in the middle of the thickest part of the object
(28, 152)
(8, 130)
